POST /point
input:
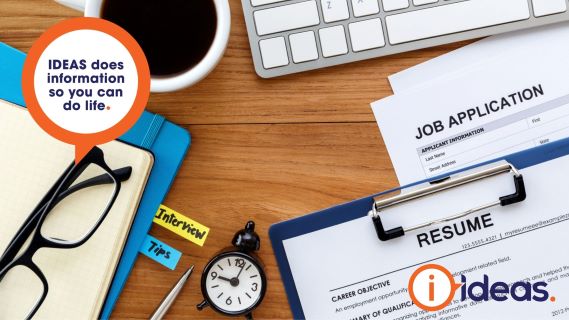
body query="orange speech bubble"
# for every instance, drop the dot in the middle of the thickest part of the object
(85, 141)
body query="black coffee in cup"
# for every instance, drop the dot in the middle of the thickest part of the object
(175, 35)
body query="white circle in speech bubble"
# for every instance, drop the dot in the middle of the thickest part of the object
(100, 73)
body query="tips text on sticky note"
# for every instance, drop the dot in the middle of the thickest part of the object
(181, 225)
(160, 252)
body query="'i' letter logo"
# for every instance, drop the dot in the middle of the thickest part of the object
(423, 283)
(431, 288)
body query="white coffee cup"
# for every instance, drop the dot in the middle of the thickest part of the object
(92, 8)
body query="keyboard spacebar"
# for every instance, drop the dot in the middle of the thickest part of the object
(453, 18)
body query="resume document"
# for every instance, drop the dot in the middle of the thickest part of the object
(345, 272)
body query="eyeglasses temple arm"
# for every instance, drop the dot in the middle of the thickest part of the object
(122, 175)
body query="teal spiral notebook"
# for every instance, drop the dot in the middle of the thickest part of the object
(168, 142)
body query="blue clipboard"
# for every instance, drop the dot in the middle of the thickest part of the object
(360, 208)
(168, 143)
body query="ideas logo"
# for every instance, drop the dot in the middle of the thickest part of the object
(432, 288)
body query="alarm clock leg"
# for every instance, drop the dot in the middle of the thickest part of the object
(202, 305)
(249, 316)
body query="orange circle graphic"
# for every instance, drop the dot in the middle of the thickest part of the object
(85, 141)
(454, 287)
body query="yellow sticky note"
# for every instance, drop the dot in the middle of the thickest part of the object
(181, 225)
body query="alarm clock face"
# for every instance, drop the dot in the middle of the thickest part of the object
(234, 283)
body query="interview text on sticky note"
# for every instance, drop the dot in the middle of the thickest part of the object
(181, 225)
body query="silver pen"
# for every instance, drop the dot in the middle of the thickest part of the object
(169, 299)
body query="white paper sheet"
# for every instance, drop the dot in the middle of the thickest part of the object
(476, 54)
(333, 267)
(464, 119)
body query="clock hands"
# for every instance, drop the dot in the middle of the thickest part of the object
(242, 267)
(233, 281)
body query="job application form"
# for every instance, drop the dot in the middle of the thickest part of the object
(506, 104)
(345, 272)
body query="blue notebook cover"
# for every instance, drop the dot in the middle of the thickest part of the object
(359, 208)
(168, 142)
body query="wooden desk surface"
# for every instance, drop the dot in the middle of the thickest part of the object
(267, 150)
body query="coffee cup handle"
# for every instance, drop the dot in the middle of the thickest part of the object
(78, 5)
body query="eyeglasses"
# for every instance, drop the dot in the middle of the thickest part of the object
(66, 217)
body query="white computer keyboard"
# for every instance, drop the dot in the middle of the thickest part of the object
(289, 36)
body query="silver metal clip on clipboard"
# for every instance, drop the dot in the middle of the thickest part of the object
(446, 183)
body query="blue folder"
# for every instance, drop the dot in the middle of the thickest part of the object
(359, 208)
(168, 142)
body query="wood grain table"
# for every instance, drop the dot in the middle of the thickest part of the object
(267, 150)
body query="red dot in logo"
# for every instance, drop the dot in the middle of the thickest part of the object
(552, 299)
(432, 276)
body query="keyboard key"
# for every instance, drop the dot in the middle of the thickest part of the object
(303, 47)
(256, 3)
(284, 18)
(334, 10)
(333, 41)
(546, 7)
(423, 2)
(390, 5)
(365, 7)
(273, 52)
(455, 17)
(367, 34)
